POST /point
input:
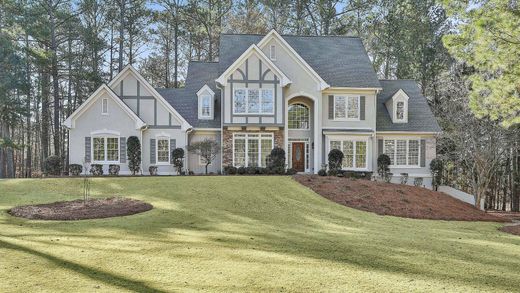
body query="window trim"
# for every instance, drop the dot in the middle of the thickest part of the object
(407, 152)
(309, 114)
(272, 52)
(104, 102)
(201, 103)
(246, 137)
(346, 108)
(157, 162)
(259, 101)
(353, 139)
(105, 155)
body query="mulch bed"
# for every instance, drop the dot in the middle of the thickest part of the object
(394, 199)
(81, 210)
(513, 229)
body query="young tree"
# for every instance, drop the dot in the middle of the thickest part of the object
(178, 159)
(207, 149)
(134, 154)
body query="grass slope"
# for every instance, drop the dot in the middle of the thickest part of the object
(241, 234)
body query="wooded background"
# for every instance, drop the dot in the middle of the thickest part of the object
(465, 57)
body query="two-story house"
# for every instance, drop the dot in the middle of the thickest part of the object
(306, 94)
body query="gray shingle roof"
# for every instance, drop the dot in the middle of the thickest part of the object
(184, 100)
(340, 61)
(420, 116)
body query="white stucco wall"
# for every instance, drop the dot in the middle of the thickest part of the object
(193, 160)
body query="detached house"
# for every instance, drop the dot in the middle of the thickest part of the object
(306, 94)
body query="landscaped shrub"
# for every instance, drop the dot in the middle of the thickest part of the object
(241, 170)
(383, 161)
(277, 159)
(152, 170)
(335, 160)
(75, 169)
(418, 181)
(178, 159)
(404, 178)
(133, 152)
(388, 177)
(322, 172)
(332, 172)
(230, 170)
(96, 169)
(251, 170)
(270, 171)
(52, 165)
(114, 170)
(436, 167)
(291, 171)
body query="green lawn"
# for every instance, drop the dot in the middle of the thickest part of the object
(241, 234)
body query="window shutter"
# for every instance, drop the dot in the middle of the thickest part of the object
(362, 108)
(88, 149)
(331, 107)
(152, 151)
(379, 147)
(122, 149)
(172, 147)
(423, 153)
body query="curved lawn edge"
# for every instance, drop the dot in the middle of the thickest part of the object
(394, 199)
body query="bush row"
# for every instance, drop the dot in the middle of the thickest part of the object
(231, 170)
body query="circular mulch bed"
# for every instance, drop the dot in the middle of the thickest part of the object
(81, 210)
(511, 229)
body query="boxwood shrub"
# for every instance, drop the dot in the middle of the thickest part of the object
(75, 169)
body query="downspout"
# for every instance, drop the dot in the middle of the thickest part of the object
(143, 129)
(188, 131)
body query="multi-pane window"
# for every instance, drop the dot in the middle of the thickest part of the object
(402, 152)
(399, 111)
(253, 101)
(354, 153)
(205, 107)
(105, 149)
(346, 107)
(298, 116)
(104, 106)
(251, 149)
(163, 150)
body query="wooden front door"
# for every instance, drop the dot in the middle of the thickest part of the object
(298, 156)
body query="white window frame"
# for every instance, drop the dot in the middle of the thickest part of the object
(407, 165)
(201, 104)
(105, 137)
(167, 138)
(272, 52)
(355, 140)
(308, 112)
(346, 108)
(246, 136)
(104, 104)
(260, 90)
(400, 96)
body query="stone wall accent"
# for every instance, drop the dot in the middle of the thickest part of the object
(227, 142)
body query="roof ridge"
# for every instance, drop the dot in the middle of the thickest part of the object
(292, 35)
(399, 79)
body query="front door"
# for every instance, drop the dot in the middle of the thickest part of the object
(298, 156)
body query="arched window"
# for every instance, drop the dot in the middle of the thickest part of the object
(298, 117)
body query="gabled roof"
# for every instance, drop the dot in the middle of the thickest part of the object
(70, 121)
(420, 116)
(252, 50)
(130, 69)
(398, 93)
(185, 99)
(339, 61)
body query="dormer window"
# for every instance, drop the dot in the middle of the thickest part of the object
(206, 102)
(397, 107)
(399, 111)
(272, 52)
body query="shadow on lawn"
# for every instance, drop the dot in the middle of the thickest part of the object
(98, 275)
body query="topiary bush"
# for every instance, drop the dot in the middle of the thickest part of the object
(335, 161)
(388, 177)
(332, 172)
(277, 159)
(436, 168)
(322, 172)
(113, 170)
(152, 170)
(133, 152)
(75, 169)
(230, 170)
(418, 181)
(178, 159)
(404, 178)
(241, 170)
(96, 169)
(52, 165)
(383, 163)
(291, 171)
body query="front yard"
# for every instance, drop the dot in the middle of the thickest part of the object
(241, 234)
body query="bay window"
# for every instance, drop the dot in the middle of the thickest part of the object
(354, 153)
(253, 101)
(251, 149)
(346, 107)
(105, 149)
(402, 152)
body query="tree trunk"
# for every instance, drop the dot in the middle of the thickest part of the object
(28, 160)
(55, 84)
(45, 115)
(121, 32)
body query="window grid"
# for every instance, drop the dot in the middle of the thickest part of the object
(206, 106)
(163, 151)
(104, 106)
(399, 112)
(251, 150)
(346, 107)
(354, 153)
(112, 149)
(105, 149)
(298, 116)
(99, 148)
(402, 152)
(253, 101)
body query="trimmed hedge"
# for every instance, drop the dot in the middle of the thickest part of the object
(75, 169)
